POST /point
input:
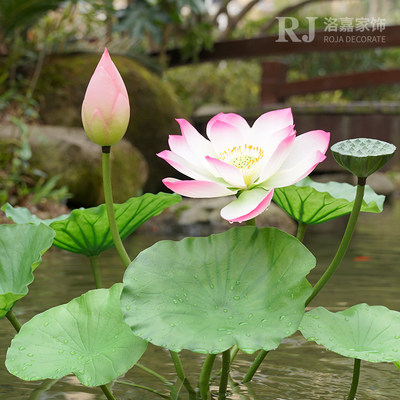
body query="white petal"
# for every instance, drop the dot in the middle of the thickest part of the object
(197, 189)
(307, 152)
(248, 205)
(274, 163)
(197, 143)
(185, 167)
(224, 136)
(229, 173)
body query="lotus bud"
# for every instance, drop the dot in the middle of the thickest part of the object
(105, 108)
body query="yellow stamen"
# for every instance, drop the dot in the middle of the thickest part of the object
(245, 158)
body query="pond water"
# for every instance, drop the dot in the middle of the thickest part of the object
(298, 370)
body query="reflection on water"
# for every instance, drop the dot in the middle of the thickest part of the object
(298, 370)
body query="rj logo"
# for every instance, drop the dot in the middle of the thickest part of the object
(287, 26)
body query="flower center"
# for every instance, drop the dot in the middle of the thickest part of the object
(245, 158)
(244, 161)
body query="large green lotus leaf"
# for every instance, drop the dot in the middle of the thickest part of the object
(21, 248)
(246, 286)
(21, 215)
(86, 337)
(370, 333)
(312, 202)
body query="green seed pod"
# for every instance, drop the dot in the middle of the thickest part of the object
(362, 156)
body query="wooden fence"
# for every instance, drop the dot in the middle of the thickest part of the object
(275, 88)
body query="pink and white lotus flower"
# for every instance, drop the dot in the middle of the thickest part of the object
(245, 161)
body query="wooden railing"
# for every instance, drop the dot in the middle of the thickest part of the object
(275, 88)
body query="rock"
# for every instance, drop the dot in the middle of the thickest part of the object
(201, 217)
(68, 152)
(154, 107)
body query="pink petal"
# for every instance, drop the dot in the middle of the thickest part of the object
(108, 65)
(271, 141)
(197, 189)
(232, 119)
(182, 165)
(104, 87)
(224, 136)
(196, 142)
(248, 205)
(229, 173)
(178, 145)
(100, 93)
(273, 121)
(306, 153)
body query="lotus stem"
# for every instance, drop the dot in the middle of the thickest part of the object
(254, 366)
(107, 392)
(144, 388)
(234, 351)
(110, 206)
(154, 373)
(181, 374)
(94, 263)
(344, 244)
(204, 380)
(44, 387)
(356, 377)
(223, 384)
(13, 320)
(301, 231)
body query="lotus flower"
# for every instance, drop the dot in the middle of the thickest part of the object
(245, 161)
(105, 108)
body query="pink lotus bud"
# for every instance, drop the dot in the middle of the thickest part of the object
(105, 108)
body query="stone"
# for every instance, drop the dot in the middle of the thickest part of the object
(154, 107)
(69, 153)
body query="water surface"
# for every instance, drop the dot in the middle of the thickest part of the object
(298, 370)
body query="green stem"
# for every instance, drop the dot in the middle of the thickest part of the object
(344, 244)
(144, 388)
(204, 380)
(181, 374)
(397, 364)
(107, 392)
(154, 373)
(301, 230)
(251, 222)
(110, 206)
(254, 366)
(94, 263)
(234, 351)
(14, 321)
(44, 387)
(356, 377)
(223, 384)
